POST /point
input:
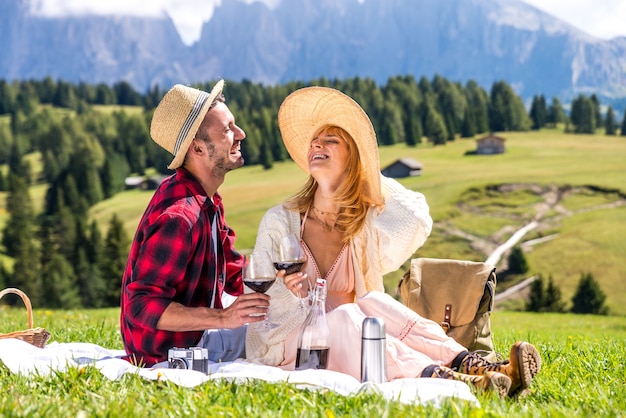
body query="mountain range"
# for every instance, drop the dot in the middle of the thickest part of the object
(301, 40)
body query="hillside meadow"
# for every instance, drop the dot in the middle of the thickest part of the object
(589, 237)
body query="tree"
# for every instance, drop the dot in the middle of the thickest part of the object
(7, 98)
(544, 298)
(597, 109)
(583, 116)
(64, 95)
(478, 104)
(451, 104)
(18, 239)
(27, 100)
(6, 142)
(538, 112)
(468, 127)
(434, 127)
(265, 155)
(610, 126)
(19, 230)
(552, 298)
(588, 297)
(622, 130)
(413, 125)
(506, 111)
(392, 129)
(114, 255)
(126, 95)
(17, 166)
(59, 284)
(517, 261)
(536, 296)
(406, 97)
(555, 113)
(89, 283)
(4, 276)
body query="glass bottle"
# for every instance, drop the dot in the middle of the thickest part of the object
(314, 340)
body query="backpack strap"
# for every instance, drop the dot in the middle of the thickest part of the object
(447, 314)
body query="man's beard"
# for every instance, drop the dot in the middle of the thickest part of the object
(223, 164)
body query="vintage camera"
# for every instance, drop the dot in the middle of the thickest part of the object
(192, 358)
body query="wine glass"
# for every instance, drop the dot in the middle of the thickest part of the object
(290, 257)
(259, 275)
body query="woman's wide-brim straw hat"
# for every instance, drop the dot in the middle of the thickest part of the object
(306, 110)
(178, 117)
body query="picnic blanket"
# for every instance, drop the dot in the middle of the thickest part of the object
(26, 359)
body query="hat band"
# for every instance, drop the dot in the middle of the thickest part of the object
(191, 118)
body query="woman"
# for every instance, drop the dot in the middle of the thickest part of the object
(355, 226)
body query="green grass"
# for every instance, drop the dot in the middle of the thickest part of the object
(582, 375)
(108, 109)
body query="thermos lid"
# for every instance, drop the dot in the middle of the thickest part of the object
(373, 328)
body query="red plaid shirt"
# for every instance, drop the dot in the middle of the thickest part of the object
(172, 260)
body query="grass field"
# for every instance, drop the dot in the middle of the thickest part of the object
(591, 239)
(583, 375)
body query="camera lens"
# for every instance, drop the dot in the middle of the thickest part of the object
(178, 363)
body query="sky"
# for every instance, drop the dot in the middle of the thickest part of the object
(601, 18)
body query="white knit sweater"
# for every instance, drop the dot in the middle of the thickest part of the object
(389, 237)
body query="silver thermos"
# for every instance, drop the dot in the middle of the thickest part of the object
(373, 351)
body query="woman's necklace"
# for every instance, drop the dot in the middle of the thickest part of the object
(328, 228)
(321, 212)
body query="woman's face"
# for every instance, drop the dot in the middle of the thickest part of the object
(328, 156)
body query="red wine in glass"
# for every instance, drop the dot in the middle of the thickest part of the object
(290, 256)
(311, 358)
(259, 284)
(290, 267)
(259, 275)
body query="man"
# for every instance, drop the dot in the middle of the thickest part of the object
(182, 257)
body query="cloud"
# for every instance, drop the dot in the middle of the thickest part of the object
(188, 15)
(601, 18)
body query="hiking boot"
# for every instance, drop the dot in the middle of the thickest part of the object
(488, 382)
(521, 367)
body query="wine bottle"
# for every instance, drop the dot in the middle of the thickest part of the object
(314, 340)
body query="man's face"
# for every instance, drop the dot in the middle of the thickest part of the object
(222, 137)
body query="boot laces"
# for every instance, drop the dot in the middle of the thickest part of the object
(449, 374)
(444, 373)
(475, 360)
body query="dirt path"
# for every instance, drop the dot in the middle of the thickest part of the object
(496, 255)
(548, 213)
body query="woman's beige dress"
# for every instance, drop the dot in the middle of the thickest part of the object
(413, 342)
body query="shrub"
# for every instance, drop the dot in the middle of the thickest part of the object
(589, 298)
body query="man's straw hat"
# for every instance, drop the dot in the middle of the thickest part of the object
(306, 110)
(178, 116)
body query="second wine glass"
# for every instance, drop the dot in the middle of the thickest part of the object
(290, 256)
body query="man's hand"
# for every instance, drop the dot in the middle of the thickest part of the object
(249, 307)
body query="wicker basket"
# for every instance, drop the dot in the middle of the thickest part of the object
(35, 336)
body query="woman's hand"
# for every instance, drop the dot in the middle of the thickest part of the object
(295, 282)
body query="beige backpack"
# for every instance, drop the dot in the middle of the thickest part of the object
(456, 294)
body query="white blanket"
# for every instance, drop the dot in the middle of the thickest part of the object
(26, 359)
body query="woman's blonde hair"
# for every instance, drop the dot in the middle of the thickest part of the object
(353, 196)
